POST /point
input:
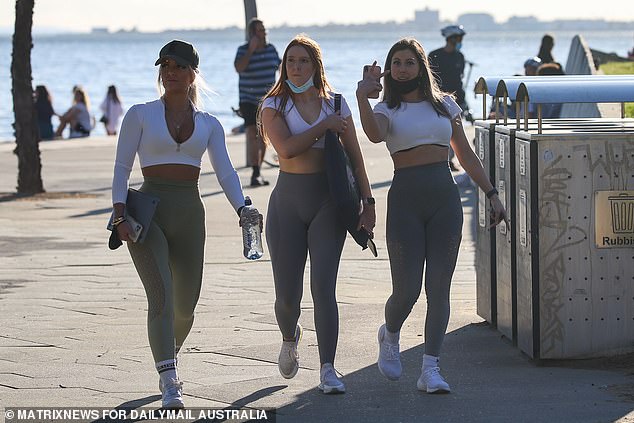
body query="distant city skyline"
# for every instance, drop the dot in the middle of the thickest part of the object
(82, 15)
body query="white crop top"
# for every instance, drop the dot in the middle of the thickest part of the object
(296, 123)
(415, 124)
(144, 132)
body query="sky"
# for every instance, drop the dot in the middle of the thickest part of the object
(82, 15)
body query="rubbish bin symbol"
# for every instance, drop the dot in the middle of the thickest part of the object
(622, 207)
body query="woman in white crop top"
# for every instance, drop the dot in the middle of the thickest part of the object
(302, 216)
(418, 122)
(170, 135)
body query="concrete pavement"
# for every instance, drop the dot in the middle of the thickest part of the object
(73, 327)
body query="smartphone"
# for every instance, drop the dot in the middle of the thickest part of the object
(137, 228)
(376, 73)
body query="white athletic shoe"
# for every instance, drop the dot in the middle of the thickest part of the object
(173, 395)
(329, 383)
(288, 361)
(389, 357)
(432, 382)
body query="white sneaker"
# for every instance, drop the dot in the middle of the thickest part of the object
(288, 361)
(432, 382)
(389, 357)
(173, 394)
(329, 383)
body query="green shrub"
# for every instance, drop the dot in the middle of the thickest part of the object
(618, 68)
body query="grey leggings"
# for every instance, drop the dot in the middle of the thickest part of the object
(170, 263)
(302, 218)
(424, 229)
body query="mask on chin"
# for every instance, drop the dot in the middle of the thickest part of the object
(302, 88)
(405, 87)
(458, 46)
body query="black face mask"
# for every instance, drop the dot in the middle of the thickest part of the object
(405, 87)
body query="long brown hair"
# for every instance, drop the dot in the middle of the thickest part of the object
(112, 93)
(429, 87)
(42, 96)
(281, 89)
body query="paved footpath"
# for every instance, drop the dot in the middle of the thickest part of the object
(73, 313)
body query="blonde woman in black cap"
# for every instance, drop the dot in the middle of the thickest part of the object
(170, 136)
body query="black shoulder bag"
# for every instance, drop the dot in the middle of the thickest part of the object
(343, 186)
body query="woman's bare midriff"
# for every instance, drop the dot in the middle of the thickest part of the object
(178, 172)
(311, 161)
(421, 155)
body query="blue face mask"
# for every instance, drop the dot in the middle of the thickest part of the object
(301, 89)
(458, 46)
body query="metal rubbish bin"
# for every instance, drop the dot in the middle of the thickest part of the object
(504, 88)
(575, 242)
(490, 250)
(485, 243)
(505, 240)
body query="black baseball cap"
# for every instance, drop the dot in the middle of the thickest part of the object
(181, 52)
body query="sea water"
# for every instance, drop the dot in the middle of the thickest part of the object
(127, 61)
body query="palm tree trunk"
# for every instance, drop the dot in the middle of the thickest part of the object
(250, 12)
(26, 133)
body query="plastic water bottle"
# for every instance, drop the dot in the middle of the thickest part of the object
(251, 235)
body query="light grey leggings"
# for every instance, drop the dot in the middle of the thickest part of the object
(302, 218)
(424, 229)
(170, 263)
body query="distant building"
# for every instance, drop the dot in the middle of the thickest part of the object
(523, 23)
(427, 20)
(583, 25)
(477, 22)
(100, 30)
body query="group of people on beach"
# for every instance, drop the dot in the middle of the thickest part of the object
(415, 118)
(78, 117)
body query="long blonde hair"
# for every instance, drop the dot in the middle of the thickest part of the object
(429, 87)
(83, 97)
(199, 86)
(281, 90)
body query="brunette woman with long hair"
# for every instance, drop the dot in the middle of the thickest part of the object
(302, 217)
(418, 122)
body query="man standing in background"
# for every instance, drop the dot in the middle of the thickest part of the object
(448, 63)
(256, 62)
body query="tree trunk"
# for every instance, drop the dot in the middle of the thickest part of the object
(250, 12)
(26, 132)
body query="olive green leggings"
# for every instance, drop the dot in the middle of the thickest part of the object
(170, 263)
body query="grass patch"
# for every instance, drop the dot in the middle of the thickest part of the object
(618, 68)
(621, 68)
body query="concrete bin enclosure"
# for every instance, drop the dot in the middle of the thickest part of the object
(544, 318)
(486, 305)
(506, 173)
(574, 298)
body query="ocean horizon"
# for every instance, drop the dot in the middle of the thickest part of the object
(60, 62)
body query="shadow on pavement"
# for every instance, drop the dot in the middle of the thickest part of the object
(490, 380)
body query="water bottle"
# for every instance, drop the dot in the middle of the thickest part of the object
(251, 235)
